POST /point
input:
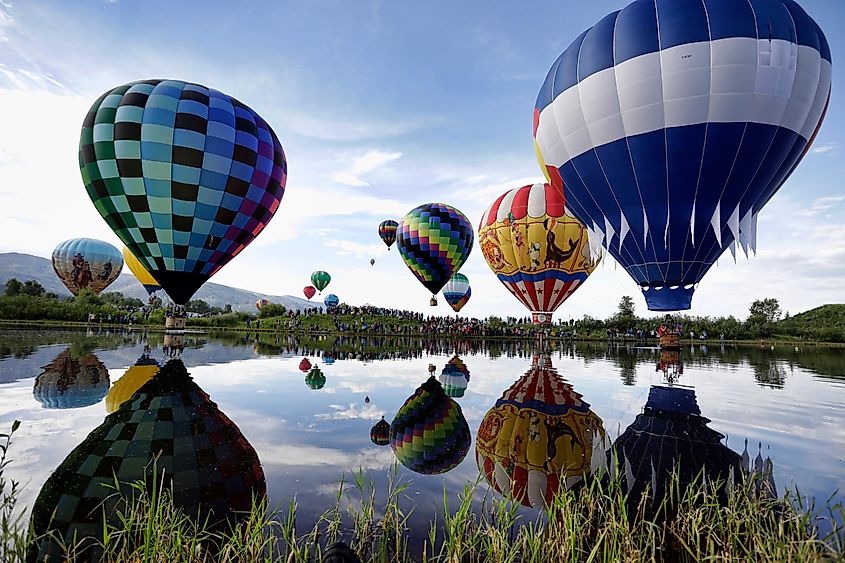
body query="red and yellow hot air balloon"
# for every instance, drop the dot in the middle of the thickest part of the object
(539, 252)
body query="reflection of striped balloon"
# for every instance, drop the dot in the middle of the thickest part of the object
(429, 434)
(539, 431)
(670, 124)
(539, 253)
(457, 291)
(380, 433)
(387, 232)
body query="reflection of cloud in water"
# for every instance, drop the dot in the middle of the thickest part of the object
(298, 455)
(364, 412)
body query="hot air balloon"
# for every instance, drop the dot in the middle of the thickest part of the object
(144, 369)
(539, 434)
(140, 272)
(328, 360)
(671, 436)
(260, 303)
(454, 377)
(456, 364)
(200, 456)
(86, 263)
(320, 280)
(457, 291)
(380, 433)
(429, 434)
(538, 252)
(435, 241)
(71, 381)
(372, 261)
(670, 125)
(331, 300)
(315, 378)
(305, 365)
(387, 231)
(309, 291)
(186, 176)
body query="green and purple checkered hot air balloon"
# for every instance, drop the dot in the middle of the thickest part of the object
(429, 434)
(185, 176)
(434, 240)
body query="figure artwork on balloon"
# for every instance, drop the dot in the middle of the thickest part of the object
(86, 263)
(669, 125)
(538, 252)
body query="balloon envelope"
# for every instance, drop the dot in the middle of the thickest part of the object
(260, 303)
(538, 252)
(144, 369)
(670, 124)
(331, 300)
(309, 291)
(387, 232)
(86, 263)
(320, 280)
(140, 272)
(380, 433)
(70, 382)
(315, 378)
(186, 176)
(435, 240)
(457, 291)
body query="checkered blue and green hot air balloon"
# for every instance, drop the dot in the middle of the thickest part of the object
(434, 240)
(429, 434)
(186, 176)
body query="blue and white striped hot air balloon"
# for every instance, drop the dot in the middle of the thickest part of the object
(671, 123)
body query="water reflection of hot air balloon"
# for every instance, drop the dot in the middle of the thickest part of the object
(201, 456)
(670, 125)
(671, 365)
(435, 240)
(315, 378)
(387, 231)
(538, 252)
(331, 300)
(260, 303)
(71, 381)
(328, 360)
(140, 272)
(136, 376)
(86, 263)
(320, 280)
(380, 433)
(185, 176)
(671, 437)
(538, 434)
(454, 377)
(305, 365)
(429, 433)
(457, 291)
(309, 291)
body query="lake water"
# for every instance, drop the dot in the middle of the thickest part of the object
(788, 404)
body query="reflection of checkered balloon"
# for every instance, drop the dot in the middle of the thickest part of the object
(185, 175)
(435, 240)
(429, 434)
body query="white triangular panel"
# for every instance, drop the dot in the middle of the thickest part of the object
(692, 224)
(733, 224)
(645, 227)
(716, 223)
(752, 237)
(609, 232)
(623, 229)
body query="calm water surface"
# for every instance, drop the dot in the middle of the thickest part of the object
(789, 405)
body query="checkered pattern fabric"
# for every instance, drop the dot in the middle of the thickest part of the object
(430, 434)
(387, 232)
(185, 175)
(213, 470)
(435, 240)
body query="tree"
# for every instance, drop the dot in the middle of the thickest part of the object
(272, 310)
(626, 307)
(13, 287)
(87, 298)
(764, 311)
(33, 288)
(198, 306)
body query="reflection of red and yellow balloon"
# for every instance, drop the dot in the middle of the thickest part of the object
(538, 435)
(135, 377)
(541, 254)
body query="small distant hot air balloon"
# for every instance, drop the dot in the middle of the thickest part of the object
(86, 263)
(380, 433)
(457, 291)
(539, 253)
(315, 378)
(185, 176)
(387, 232)
(539, 433)
(328, 360)
(372, 261)
(670, 124)
(309, 291)
(71, 381)
(140, 272)
(260, 303)
(429, 433)
(434, 240)
(331, 300)
(320, 280)
(305, 365)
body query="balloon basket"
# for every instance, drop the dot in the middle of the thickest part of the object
(670, 341)
(433, 301)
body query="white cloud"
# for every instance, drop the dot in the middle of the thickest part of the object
(373, 160)
(353, 411)
(821, 204)
(826, 148)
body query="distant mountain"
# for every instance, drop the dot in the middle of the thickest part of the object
(27, 267)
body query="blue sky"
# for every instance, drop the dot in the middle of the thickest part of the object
(380, 106)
